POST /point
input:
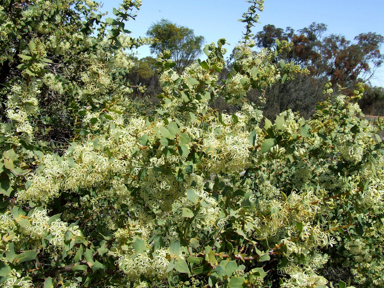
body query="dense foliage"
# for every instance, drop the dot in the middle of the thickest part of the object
(95, 193)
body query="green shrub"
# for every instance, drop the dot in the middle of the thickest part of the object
(186, 196)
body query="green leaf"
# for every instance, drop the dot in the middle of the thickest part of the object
(173, 129)
(268, 124)
(235, 119)
(29, 72)
(267, 145)
(207, 96)
(220, 270)
(254, 71)
(292, 65)
(171, 265)
(71, 162)
(230, 268)
(183, 150)
(79, 253)
(10, 254)
(204, 65)
(174, 249)
(139, 246)
(46, 60)
(97, 266)
(94, 120)
(25, 256)
(342, 284)
(282, 63)
(236, 282)
(192, 81)
(164, 141)
(164, 131)
(82, 112)
(184, 139)
(192, 196)
(48, 283)
(305, 130)
(221, 119)
(16, 211)
(194, 243)
(299, 226)
(24, 223)
(8, 163)
(109, 21)
(144, 140)
(246, 202)
(284, 78)
(193, 117)
(4, 269)
(181, 266)
(88, 257)
(252, 138)
(198, 270)
(106, 116)
(54, 218)
(244, 81)
(19, 172)
(259, 272)
(25, 57)
(5, 185)
(9, 237)
(79, 268)
(264, 258)
(279, 122)
(206, 50)
(212, 259)
(32, 46)
(187, 213)
(195, 260)
(3, 204)
(102, 249)
(185, 97)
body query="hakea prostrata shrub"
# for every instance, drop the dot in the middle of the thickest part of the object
(185, 196)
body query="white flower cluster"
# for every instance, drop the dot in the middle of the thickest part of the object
(50, 80)
(22, 103)
(142, 265)
(40, 226)
(302, 277)
(14, 279)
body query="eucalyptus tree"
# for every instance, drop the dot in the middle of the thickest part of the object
(180, 40)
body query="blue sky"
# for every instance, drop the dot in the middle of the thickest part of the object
(216, 19)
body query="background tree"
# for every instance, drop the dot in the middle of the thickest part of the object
(180, 40)
(373, 101)
(144, 81)
(329, 58)
(341, 61)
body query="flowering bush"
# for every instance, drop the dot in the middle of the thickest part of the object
(186, 196)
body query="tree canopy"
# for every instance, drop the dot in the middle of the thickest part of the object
(180, 40)
(343, 62)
